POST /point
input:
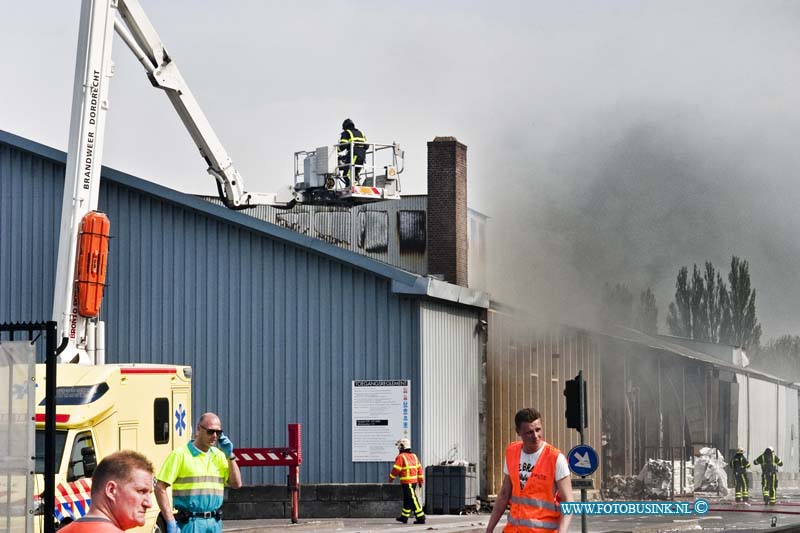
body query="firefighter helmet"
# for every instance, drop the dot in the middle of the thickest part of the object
(403, 444)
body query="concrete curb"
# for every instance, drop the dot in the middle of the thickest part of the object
(242, 526)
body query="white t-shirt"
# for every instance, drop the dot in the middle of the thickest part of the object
(528, 460)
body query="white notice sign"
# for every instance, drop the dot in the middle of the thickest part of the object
(381, 417)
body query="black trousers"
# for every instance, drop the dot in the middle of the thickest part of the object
(410, 502)
(769, 486)
(741, 484)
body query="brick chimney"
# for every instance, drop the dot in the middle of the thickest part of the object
(447, 209)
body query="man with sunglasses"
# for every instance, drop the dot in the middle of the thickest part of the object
(198, 473)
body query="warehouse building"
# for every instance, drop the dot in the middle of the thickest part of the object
(276, 325)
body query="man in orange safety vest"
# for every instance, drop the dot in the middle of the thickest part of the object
(536, 477)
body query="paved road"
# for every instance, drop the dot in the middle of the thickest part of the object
(713, 522)
(724, 516)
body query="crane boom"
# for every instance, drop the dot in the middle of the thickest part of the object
(320, 185)
(93, 69)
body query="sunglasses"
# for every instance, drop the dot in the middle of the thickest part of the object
(217, 432)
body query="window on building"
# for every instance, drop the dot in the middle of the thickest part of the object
(412, 231)
(333, 227)
(373, 235)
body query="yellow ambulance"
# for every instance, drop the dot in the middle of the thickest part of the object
(102, 409)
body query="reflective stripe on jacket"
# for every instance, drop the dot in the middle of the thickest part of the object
(349, 136)
(769, 462)
(407, 467)
(533, 508)
(355, 137)
(197, 478)
(739, 463)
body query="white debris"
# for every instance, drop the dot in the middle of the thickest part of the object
(709, 472)
(656, 477)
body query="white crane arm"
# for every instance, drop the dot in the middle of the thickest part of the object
(143, 40)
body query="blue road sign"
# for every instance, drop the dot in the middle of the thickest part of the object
(582, 460)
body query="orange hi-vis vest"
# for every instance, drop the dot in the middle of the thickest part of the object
(533, 508)
(408, 468)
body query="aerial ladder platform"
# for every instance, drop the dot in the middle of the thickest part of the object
(319, 177)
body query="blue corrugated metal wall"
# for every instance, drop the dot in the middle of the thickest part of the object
(29, 220)
(274, 331)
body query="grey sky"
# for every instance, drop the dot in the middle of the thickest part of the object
(608, 141)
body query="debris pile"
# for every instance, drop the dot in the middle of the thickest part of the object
(656, 477)
(709, 472)
(688, 487)
(624, 488)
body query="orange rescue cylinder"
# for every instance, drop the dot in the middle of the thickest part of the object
(92, 262)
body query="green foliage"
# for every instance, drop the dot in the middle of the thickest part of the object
(647, 315)
(679, 318)
(745, 330)
(618, 304)
(619, 308)
(706, 309)
(780, 357)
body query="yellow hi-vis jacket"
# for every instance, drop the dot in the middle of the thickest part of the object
(198, 478)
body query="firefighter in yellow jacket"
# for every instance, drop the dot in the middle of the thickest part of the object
(769, 474)
(409, 470)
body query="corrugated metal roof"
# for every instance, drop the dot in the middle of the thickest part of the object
(234, 217)
(658, 343)
(402, 281)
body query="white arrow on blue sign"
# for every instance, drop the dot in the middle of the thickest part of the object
(583, 460)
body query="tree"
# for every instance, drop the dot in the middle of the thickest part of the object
(788, 345)
(618, 304)
(780, 357)
(697, 303)
(716, 297)
(647, 314)
(744, 330)
(618, 308)
(706, 309)
(679, 317)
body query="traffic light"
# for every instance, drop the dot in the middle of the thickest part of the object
(573, 395)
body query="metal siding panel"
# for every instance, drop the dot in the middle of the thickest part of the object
(781, 423)
(790, 445)
(269, 328)
(30, 207)
(522, 371)
(763, 429)
(332, 224)
(451, 386)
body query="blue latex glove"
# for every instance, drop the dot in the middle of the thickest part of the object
(172, 527)
(224, 443)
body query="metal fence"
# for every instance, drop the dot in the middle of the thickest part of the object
(681, 462)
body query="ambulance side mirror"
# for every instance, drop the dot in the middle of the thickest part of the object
(89, 461)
